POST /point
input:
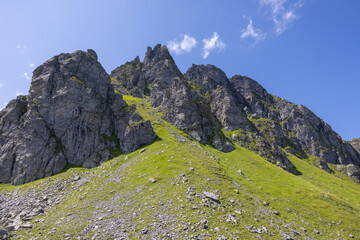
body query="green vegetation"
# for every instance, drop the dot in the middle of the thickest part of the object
(76, 79)
(266, 197)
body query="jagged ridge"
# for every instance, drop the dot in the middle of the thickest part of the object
(214, 109)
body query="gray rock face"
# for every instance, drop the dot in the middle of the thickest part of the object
(3, 234)
(354, 172)
(204, 100)
(158, 77)
(355, 143)
(71, 116)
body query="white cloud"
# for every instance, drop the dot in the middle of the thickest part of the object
(1, 84)
(212, 44)
(27, 76)
(283, 14)
(19, 46)
(250, 32)
(19, 93)
(31, 65)
(185, 45)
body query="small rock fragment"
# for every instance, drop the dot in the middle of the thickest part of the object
(152, 180)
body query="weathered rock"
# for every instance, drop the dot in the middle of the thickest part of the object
(159, 77)
(3, 234)
(356, 144)
(212, 196)
(71, 116)
(227, 106)
(353, 172)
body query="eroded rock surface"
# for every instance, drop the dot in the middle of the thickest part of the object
(71, 116)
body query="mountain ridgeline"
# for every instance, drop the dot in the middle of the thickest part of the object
(75, 115)
(221, 111)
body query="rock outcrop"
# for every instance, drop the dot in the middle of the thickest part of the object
(159, 78)
(356, 144)
(71, 116)
(224, 111)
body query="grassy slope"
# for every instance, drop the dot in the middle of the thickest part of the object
(121, 187)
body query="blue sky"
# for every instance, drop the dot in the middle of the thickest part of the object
(306, 51)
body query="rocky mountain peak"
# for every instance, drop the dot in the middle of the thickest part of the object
(157, 54)
(71, 116)
(249, 88)
(207, 76)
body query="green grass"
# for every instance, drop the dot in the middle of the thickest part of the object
(122, 185)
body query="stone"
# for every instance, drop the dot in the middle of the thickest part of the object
(26, 226)
(240, 172)
(152, 180)
(3, 234)
(212, 196)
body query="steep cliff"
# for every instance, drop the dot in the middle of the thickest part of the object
(71, 116)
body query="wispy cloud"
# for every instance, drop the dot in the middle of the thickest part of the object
(31, 65)
(21, 47)
(250, 32)
(212, 44)
(181, 46)
(19, 93)
(1, 84)
(282, 13)
(27, 76)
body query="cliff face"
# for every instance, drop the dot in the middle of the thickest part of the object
(204, 101)
(355, 143)
(71, 116)
(75, 114)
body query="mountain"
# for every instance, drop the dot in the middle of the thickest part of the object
(214, 109)
(71, 116)
(148, 152)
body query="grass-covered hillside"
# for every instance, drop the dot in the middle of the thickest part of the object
(176, 188)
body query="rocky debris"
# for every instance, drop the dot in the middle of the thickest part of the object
(18, 207)
(211, 196)
(3, 234)
(71, 116)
